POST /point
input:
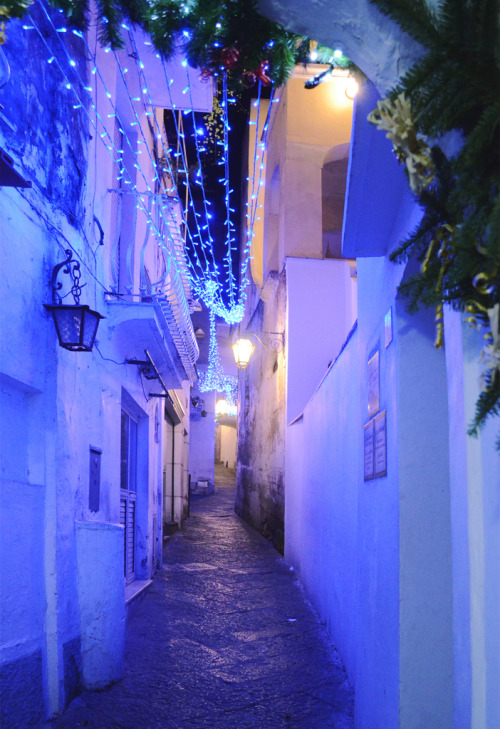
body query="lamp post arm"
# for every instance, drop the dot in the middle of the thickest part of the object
(271, 341)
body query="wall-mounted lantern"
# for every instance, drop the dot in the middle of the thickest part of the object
(243, 347)
(76, 324)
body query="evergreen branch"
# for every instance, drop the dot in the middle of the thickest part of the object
(492, 238)
(14, 8)
(415, 17)
(109, 17)
(455, 87)
(76, 11)
(488, 402)
(137, 11)
(483, 137)
(164, 22)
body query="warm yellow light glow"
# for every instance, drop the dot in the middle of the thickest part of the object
(351, 88)
(225, 409)
(221, 407)
(243, 349)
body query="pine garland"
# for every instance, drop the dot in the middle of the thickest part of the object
(454, 87)
(216, 35)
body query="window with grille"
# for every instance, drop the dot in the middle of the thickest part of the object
(128, 490)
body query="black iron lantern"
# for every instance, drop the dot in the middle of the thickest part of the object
(76, 324)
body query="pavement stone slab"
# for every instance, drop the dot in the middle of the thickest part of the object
(223, 639)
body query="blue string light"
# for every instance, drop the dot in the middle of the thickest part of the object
(214, 378)
(205, 248)
(179, 307)
(207, 282)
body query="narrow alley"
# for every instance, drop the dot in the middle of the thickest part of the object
(223, 639)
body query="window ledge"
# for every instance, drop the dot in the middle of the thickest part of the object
(134, 589)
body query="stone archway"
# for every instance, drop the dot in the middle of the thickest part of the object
(371, 40)
(333, 184)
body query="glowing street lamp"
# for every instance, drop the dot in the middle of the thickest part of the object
(225, 409)
(221, 407)
(243, 350)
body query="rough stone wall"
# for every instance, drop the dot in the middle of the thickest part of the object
(49, 136)
(48, 139)
(261, 421)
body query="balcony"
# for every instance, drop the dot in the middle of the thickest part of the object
(150, 294)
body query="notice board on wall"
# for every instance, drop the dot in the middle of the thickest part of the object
(380, 444)
(375, 447)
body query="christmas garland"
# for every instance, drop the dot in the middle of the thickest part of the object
(454, 87)
(215, 35)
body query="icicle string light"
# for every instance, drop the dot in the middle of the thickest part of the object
(174, 258)
(206, 249)
(229, 239)
(170, 253)
(105, 134)
(178, 306)
(207, 277)
(209, 284)
(172, 223)
(198, 158)
(214, 378)
(254, 197)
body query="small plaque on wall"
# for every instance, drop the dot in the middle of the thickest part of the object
(388, 327)
(380, 444)
(368, 451)
(373, 384)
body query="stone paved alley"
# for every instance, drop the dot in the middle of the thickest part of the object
(223, 639)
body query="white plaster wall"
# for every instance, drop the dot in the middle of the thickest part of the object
(319, 314)
(22, 584)
(101, 594)
(228, 445)
(425, 572)
(202, 440)
(474, 484)
(304, 127)
(321, 501)
(404, 557)
(375, 557)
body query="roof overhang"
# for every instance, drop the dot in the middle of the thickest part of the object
(135, 328)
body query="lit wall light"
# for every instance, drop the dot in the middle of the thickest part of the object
(243, 350)
(351, 88)
(244, 347)
(221, 407)
(225, 409)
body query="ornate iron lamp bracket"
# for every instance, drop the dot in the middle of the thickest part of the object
(272, 341)
(72, 268)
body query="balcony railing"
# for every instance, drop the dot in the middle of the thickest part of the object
(157, 271)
